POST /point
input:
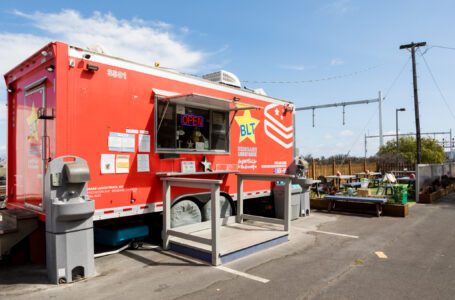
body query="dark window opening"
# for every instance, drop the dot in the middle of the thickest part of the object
(185, 128)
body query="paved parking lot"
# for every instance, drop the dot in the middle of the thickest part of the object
(330, 256)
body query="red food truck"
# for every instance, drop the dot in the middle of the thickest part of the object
(135, 123)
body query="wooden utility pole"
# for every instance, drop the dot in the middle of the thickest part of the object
(413, 46)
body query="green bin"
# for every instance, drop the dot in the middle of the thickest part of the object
(400, 193)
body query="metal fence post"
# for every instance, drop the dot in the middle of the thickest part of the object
(215, 214)
(287, 205)
(166, 214)
(417, 184)
(239, 218)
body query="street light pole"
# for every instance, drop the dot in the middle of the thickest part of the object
(396, 119)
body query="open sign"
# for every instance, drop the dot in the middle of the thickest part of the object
(192, 120)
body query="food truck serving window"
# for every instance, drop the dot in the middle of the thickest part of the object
(185, 128)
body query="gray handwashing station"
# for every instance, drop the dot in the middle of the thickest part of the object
(69, 220)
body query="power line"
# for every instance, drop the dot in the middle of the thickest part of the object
(385, 97)
(334, 77)
(437, 85)
(362, 131)
(442, 47)
(437, 46)
(396, 78)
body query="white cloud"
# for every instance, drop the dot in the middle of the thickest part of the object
(296, 67)
(16, 47)
(339, 7)
(345, 133)
(184, 30)
(328, 136)
(133, 39)
(336, 61)
(339, 145)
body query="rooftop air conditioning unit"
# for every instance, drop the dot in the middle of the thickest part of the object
(260, 91)
(224, 77)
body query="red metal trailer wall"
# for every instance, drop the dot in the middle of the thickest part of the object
(119, 98)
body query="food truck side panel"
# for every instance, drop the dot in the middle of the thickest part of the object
(96, 109)
(124, 102)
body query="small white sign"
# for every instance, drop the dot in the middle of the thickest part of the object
(122, 163)
(180, 109)
(107, 163)
(61, 272)
(134, 131)
(144, 143)
(200, 146)
(143, 164)
(188, 167)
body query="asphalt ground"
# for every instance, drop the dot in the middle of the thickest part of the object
(330, 256)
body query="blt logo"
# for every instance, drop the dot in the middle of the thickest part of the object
(247, 129)
(247, 126)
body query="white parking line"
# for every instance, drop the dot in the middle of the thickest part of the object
(249, 276)
(327, 232)
(380, 254)
(337, 234)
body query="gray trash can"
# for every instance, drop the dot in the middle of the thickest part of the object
(69, 220)
(278, 196)
(306, 184)
(305, 203)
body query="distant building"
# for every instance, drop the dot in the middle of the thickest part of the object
(450, 155)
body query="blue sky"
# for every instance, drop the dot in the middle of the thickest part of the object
(263, 41)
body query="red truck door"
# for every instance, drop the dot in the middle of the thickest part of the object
(32, 145)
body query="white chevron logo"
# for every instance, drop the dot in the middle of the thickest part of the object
(275, 129)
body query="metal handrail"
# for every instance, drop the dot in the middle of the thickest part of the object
(214, 187)
(287, 179)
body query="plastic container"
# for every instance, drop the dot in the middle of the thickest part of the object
(118, 235)
(278, 196)
(400, 193)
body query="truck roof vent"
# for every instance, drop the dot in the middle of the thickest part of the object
(260, 91)
(98, 48)
(224, 77)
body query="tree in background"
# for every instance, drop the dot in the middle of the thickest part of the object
(432, 152)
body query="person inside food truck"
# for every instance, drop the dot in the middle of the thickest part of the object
(197, 138)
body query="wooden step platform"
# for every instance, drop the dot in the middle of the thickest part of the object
(237, 240)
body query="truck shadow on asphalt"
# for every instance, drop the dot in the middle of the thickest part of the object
(23, 275)
(33, 274)
(350, 212)
(149, 262)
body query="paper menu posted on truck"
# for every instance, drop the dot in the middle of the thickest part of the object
(128, 143)
(107, 163)
(144, 143)
(143, 164)
(122, 163)
(121, 142)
